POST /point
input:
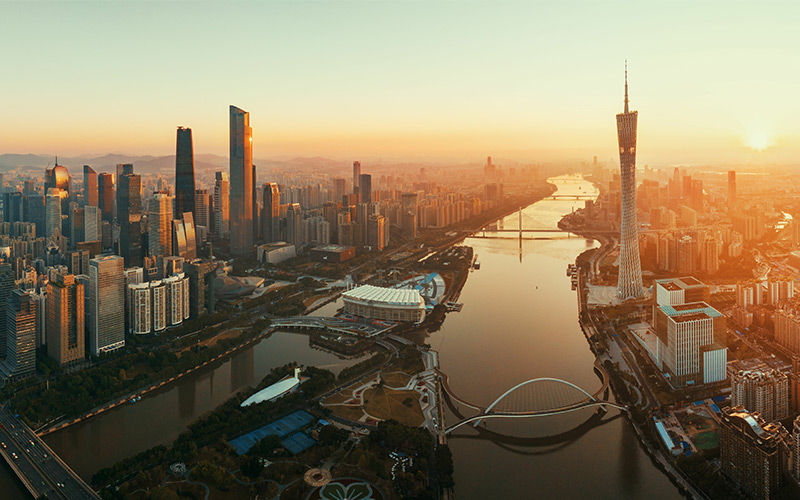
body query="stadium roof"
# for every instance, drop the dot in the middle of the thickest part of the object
(389, 296)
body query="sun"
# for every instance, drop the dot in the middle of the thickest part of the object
(759, 141)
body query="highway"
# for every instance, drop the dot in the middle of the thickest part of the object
(40, 470)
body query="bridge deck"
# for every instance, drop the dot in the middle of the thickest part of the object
(41, 471)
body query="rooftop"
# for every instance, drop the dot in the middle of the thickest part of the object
(392, 296)
(673, 284)
(691, 309)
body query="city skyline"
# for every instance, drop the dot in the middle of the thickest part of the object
(349, 80)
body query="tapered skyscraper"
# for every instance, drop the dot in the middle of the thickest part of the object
(629, 280)
(184, 173)
(241, 194)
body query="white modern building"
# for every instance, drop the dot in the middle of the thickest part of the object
(392, 304)
(691, 343)
(148, 307)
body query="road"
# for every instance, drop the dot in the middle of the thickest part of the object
(42, 472)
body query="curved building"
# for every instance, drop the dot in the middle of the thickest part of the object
(394, 304)
(148, 307)
(629, 280)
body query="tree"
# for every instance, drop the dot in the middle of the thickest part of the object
(122, 375)
(252, 467)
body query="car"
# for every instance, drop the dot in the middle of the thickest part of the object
(3, 444)
(14, 455)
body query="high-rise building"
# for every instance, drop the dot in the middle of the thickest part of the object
(376, 227)
(6, 286)
(106, 304)
(52, 212)
(766, 392)
(256, 208)
(222, 205)
(184, 242)
(178, 295)
(77, 226)
(90, 189)
(294, 224)
(21, 331)
(356, 175)
(241, 193)
(339, 189)
(147, 307)
(365, 188)
(129, 217)
(629, 280)
(198, 272)
(271, 216)
(731, 189)
(184, 173)
(93, 224)
(796, 450)
(201, 208)
(159, 222)
(65, 320)
(105, 183)
(751, 451)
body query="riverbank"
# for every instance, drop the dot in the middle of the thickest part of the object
(141, 392)
(587, 265)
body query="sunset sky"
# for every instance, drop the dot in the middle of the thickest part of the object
(439, 80)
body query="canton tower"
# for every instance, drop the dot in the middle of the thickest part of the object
(629, 280)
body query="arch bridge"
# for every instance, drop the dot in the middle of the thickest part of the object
(539, 397)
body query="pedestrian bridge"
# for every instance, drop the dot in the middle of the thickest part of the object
(539, 397)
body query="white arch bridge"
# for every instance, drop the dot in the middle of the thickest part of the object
(539, 397)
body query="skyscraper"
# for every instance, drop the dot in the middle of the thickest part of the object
(629, 280)
(365, 188)
(339, 189)
(356, 175)
(93, 230)
(222, 209)
(129, 217)
(52, 211)
(731, 189)
(21, 332)
(105, 183)
(201, 208)
(90, 191)
(241, 194)
(65, 320)
(106, 304)
(271, 216)
(159, 222)
(6, 286)
(750, 451)
(184, 173)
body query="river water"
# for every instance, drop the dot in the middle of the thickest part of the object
(519, 322)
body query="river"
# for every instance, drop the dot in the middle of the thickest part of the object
(519, 322)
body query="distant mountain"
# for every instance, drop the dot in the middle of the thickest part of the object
(32, 164)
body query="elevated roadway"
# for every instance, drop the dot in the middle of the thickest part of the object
(41, 471)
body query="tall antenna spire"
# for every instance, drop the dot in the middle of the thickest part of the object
(626, 85)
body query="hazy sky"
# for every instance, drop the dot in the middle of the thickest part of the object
(527, 80)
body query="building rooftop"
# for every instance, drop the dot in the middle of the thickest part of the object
(391, 296)
(331, 248)
(692, 309)
(673, 284)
